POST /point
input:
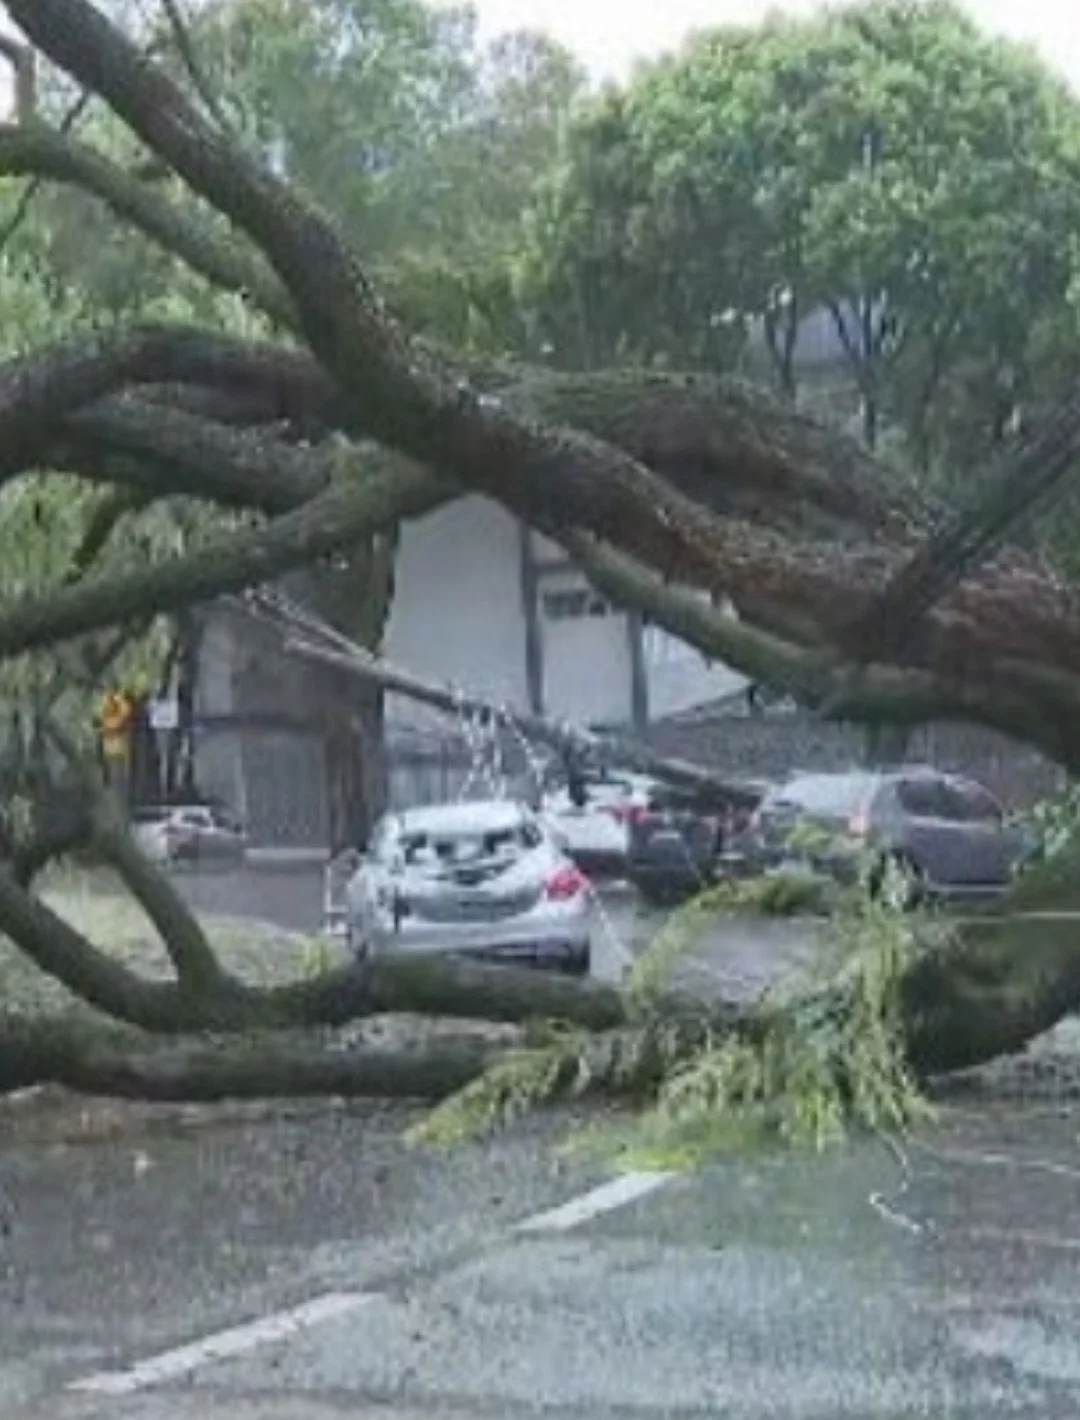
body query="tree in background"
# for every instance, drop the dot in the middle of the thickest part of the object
(419, 140)
(888, 164)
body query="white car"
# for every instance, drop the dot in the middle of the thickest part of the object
(189, 833)
(485, 880)
(596, 834)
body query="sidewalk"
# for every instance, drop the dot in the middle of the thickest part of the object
(286, 857)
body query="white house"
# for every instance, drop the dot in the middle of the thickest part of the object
(483, 602)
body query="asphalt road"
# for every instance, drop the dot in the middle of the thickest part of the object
(744, 954)
(163, 1264)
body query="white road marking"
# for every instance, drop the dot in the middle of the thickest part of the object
(171, 1365)
(627, 1188)
(285, 1325)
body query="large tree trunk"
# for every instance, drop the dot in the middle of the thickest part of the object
(850, 594)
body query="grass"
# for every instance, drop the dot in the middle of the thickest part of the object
(97, 906)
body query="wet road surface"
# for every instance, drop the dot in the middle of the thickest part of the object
(744, 954)
(307, 1264)
(942, 1283)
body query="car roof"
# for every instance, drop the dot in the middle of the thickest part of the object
(468, 816)
(827, 776)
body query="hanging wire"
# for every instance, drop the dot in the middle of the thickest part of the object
(482, 728)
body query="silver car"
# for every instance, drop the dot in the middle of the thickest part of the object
(946, 833)
(596, 832)
(484, 879)
(187, 833)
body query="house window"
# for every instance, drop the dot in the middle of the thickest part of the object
(573, 603)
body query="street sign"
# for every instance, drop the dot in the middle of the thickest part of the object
(115, 746)
(115, 713)
(164, 713)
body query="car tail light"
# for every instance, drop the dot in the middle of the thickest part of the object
(565, 882)
(627, 813)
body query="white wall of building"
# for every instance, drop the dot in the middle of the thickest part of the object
(457, 615)
(680, 677)
(586, 652)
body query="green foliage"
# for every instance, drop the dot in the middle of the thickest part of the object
(553, 1062)
(422, 141)
(1048, 876)
(886, 153)
(819, 1054)
(45, 517)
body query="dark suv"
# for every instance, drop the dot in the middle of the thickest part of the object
(945, 832)
(683, 837)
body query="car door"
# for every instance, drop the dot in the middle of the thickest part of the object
(214, 841)
(952, 829)
(190, 827)
(984, 850)
(207, 839)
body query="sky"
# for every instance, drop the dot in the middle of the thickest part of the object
(609, 35)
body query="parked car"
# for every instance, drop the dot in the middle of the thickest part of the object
(486, 880)
(946, 834)
(686, 837)
(595, 831)
(177, 833)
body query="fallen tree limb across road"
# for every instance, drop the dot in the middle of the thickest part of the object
(677, 495)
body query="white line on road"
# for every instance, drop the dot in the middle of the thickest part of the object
(285, 1325)
(627, 1188)
(171, 1365)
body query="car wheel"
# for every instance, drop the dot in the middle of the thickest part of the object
(580, 964)
(658, 896)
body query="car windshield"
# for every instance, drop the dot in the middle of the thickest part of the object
(949, 800)
(825, 794)
(456, 847)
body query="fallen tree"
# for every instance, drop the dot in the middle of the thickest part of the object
(660, 486)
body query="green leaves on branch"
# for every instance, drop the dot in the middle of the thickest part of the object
(820, 1054)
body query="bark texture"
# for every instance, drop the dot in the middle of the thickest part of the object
(850, 593)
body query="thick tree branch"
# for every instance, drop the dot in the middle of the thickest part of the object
(38, 150)
(408, 399)
(39, 390)
(336, 519)
(89, 973)
(1024, 479)
(110, 511)
(198, 971)
(186, 48)
(159, 451)
(93, 1059)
